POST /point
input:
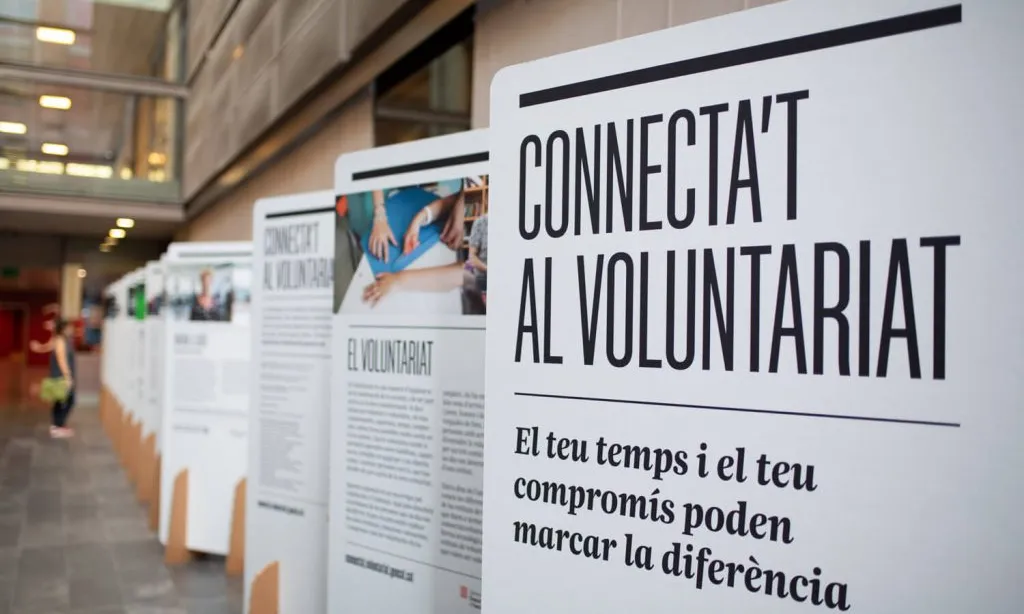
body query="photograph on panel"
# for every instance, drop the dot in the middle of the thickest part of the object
(218, 293)
(415, 247)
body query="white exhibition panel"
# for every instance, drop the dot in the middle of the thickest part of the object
(108, 356)
(125, 346)
(206, 385)
(796, 386)
(136, 336)
(154, 356)
(406, 425)
(286, 506)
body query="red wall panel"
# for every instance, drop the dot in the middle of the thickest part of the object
(43, 311)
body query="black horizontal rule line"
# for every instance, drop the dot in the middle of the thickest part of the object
(411, 327)
(819, 41)
(745, 410)
(425, 165)
(274, 216)
(213, 255)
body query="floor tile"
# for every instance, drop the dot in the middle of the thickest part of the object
(73, 537)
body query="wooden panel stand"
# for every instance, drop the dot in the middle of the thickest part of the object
(177, 552)
(122, 437)
(135, 441)
(265, 595)
(105, 409)
(236, 548)
(154, 503)
(147, 456)
(131, 449)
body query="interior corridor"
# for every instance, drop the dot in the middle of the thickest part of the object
(73, 538)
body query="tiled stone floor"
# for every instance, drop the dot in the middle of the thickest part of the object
(73, 539)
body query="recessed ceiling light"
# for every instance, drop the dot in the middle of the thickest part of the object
(117, 233)
(13, 128)
(125, 222)
(98, 171)
(62, 103)
(48, 167)
(82, 273)
(54, 149)
(58, 36)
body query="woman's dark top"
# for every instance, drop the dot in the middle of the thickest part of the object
(55, 366)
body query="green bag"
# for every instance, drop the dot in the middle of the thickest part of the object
(54, 390)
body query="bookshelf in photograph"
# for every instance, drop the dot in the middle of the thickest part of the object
(475, 203)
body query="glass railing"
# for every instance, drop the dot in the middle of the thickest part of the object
(88, 142)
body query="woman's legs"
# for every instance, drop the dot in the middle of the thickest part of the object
(62, 409)
(69, 405)
(57, 415)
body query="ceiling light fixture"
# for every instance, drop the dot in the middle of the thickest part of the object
(54, 149)
(82, 273)
(96, 171)
(13, 128)
(61, 103)
(57, 36)
(47, 167)
(125, 222)
(117, 233)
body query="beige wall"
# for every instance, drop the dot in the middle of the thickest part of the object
(522, 30)
(268, 53)
(308, 168)
(513, 31)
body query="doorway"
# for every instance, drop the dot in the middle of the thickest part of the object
(13, 332)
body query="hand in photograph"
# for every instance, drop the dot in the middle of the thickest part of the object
(380, 233)
(380, 288)
(430, 279)
(427, 216)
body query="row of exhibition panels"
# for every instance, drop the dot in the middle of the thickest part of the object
(735, 359)
(228, 412)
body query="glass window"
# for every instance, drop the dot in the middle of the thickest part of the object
(429, 92)
(86, 134)
(126, 37)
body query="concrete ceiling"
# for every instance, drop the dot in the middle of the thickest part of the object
(81, 225)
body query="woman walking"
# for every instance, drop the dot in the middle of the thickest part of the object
(62, 366)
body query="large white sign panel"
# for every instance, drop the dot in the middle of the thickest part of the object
(755, 348)
(406, 426)
(153, 358)
(206, 385)
(135, 340)
(286, 508)
(127, 342)
(109, 357)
